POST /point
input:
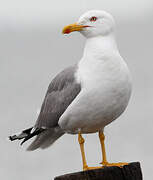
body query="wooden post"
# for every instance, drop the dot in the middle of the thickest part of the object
(127, 172)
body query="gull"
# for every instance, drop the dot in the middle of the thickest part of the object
(85, 97)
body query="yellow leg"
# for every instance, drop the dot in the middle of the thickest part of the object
(104, 159)
(81, 142)
(102, 142)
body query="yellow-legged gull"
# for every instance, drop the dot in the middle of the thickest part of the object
(86, 97)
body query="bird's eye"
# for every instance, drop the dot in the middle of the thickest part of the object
(92, 19)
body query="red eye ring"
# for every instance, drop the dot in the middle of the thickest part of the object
(94, 18)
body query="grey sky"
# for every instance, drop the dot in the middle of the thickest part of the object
(32, 11)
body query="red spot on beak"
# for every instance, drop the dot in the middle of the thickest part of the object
(67, 31)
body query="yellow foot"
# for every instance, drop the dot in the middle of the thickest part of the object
(120, 164)
(90, 168)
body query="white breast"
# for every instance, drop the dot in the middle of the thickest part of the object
(105, 88)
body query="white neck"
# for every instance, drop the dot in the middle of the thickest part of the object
(100, 45)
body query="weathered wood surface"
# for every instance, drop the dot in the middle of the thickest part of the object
(127, 172)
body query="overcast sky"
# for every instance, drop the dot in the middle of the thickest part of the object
(39, 11)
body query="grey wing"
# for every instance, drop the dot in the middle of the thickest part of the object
(61, 92)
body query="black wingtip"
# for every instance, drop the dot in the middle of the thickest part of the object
(12, 138)
(22, 135)
(26, 134)
(36, 132)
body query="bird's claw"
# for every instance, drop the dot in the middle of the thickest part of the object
(120, 164)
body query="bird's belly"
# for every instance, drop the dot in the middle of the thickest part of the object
(94, 108)
(104, 95)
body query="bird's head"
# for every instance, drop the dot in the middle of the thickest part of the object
(92, 23)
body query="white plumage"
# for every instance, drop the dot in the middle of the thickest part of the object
(106, 87)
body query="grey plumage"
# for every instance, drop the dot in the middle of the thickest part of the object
(46, 138)
(61, 92)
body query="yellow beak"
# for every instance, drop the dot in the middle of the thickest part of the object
(73, 27)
